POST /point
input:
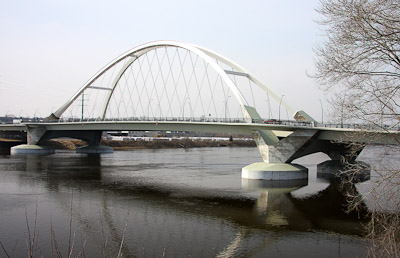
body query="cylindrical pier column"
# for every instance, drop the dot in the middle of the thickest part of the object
(274, 171)
(31, 149)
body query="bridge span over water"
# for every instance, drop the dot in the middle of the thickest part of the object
(175, 86)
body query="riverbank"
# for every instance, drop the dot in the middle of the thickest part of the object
(71, 144)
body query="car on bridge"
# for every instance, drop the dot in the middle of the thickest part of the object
(272, 121)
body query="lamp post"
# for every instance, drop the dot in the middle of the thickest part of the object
(83, 100)
(322, 110)
(148, 109)
(280, 102)
(269, 106)
(226, 105)
(190, 106)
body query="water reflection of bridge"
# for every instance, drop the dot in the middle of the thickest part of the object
(276, 209)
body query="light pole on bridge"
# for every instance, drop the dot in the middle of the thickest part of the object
(148, 109)
(280, 102)
(226, 105)
(190, 106)
(269, 106)
(322, 110)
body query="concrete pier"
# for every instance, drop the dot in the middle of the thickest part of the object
(334, 169)
(274, 171)
(275, 186)
(31, 149)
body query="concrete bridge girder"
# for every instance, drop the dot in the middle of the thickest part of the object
(275, 143)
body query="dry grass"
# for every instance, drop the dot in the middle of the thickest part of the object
(70, 144)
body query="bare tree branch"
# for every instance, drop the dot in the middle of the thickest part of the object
(358, 64)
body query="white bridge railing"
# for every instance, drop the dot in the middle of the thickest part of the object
(293, 123)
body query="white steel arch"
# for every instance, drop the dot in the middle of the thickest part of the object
(207, 55)
(253, 78)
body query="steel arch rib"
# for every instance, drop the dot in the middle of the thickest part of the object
(114, 84)
(251, 76)
(205, 54)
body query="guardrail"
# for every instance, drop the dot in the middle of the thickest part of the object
(157, 119)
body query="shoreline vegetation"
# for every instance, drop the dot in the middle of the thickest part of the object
(72, 144)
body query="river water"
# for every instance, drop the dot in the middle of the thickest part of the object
(170, 203)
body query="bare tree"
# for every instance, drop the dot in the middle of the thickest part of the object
(359, 63)
(361, 57)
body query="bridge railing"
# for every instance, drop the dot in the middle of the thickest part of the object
(195, 119)
(360, 126)
(285, 122)
(151, 119)
(222, 120)
(293, 123)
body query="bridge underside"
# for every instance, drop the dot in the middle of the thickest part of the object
(278, 148)
(275, 146)
(302, 143)
(91, 137)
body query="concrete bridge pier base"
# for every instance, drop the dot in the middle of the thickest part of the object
(274, 171)
(277, 155)
(335, 169)
(31, 149)
(94, 144)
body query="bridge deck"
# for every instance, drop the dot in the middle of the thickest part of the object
(280, 130)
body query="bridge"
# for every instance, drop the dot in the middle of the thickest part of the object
(176, 86)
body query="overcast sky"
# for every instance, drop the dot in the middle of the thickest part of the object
(49, 49)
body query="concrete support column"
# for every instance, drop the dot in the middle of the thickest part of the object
(34, 135)
(290, 148)
(93, 138)
(277, 154)
(263, 140)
